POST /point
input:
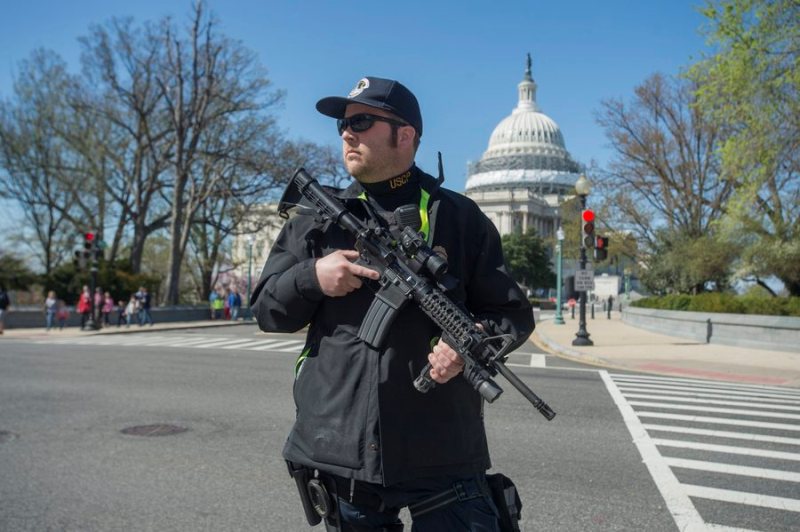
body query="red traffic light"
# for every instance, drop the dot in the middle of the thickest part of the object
(89, 237)
(588, 215)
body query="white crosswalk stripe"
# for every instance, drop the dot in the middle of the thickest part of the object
(743, 437)
(205, 341)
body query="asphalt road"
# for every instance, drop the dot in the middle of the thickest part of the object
(67, 464)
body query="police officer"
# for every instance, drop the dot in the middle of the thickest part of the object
(360, 424)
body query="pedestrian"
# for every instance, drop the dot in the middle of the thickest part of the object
(108, 308)
(144, 300)
(360, 423)
(122, 316)
(234, 303)
(5, 304)
(219, 304)
(84, 307)
(50, 309)
(131, 310)
(212, 300)
(226, 305)
(62, 314)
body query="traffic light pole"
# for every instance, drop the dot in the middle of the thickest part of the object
(582, 336)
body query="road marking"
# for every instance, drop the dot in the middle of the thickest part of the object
(728, 449)
(538, 361)
(256, 345)
(740, 497)
(698, 384)
(772, 398)
(680, 506)
(705, 401)
(220, 343)
(749, 436)
(710, 409)
(731, 469)
(721, 421)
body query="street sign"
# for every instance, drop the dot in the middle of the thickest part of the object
(584, 280)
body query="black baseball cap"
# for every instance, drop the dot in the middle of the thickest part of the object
(386, 94)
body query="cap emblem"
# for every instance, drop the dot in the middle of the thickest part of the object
(360, 87)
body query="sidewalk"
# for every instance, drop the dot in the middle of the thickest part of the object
(621, 346)
(67, 332)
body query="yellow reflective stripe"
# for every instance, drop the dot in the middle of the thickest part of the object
(424, 198)
(423, 213)
(299, 362)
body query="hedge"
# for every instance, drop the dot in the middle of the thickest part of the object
(726, 303)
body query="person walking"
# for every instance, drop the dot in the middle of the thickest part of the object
(5, 304)
(62, 314)
(131, 310)
(108, 308)
(50, 309)
(235, 303)
(84, 306)
(360, 423)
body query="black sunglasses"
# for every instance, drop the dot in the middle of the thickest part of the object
(362, 122)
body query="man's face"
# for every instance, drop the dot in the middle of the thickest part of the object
(372, 155)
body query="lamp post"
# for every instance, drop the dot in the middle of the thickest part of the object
(627, 272)
(559, 319)
(250, 242)
(582, 188)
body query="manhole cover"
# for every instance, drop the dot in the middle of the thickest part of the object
(7, 435)
(154, 430)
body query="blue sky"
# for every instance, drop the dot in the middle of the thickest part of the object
(462, 59)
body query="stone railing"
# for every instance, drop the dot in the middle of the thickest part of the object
(26, 317)
(781, 333)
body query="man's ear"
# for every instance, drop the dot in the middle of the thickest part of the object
(406, 135)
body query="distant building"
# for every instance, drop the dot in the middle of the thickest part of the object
(526, 172)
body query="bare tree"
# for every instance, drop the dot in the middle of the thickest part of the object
(127, 108)
(33, 157)
(664, 181)
(206, 79)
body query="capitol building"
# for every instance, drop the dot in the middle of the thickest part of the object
(526, 172)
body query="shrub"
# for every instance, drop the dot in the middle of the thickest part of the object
(724, 303)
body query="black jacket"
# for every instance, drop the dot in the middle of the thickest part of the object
(358, 413)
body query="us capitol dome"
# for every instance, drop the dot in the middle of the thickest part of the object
(526, 172)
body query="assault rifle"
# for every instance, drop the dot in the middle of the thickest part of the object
(411, 271)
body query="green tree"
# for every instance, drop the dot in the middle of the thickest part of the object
(751, 89)
(663, 184)
(527, 258)
(14, 274)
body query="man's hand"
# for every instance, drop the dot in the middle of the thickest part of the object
(338, 276)
(445, 362)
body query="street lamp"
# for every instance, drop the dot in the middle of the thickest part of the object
(582, 188)
(250, 242)
(559, 320)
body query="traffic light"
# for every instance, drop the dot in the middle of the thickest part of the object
(601, 248)
(88, 241)
(587, 228)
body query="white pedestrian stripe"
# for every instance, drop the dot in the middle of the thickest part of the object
(254, 343)
(753, 499)
(701, 420)
(730, 469)
(261, 342)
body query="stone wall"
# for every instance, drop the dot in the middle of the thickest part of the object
(781, 333)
